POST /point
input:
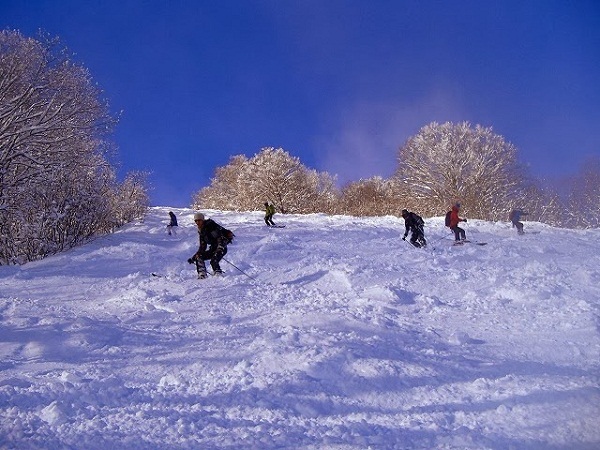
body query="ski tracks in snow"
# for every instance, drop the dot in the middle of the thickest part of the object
(344, 337)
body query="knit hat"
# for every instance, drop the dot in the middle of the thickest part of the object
(198, 216)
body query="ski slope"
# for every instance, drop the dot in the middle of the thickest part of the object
(337, 335)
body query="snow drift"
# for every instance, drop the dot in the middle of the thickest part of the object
(333, 334)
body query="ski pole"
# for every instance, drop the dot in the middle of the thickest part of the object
(408, 242)
(439, 239)
(443, 237)
(229, 262)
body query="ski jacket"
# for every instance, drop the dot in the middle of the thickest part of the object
(270, 210)
(515, 215)
(454, 217)
(211, 234)
(412, 222)
(173, 222)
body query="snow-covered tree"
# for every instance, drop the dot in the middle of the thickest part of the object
(228, 188)
(130, 198)
(448, 162)
(272, 175)
(374, 196)
(583, 209)
(55, 178)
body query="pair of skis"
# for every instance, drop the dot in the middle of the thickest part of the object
(212, 274)
(468, 242)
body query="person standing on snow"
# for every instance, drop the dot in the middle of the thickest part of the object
(455, 219)
(172, 223)
(515, 217)
(414, 223)
(269, 212)
(213, 245)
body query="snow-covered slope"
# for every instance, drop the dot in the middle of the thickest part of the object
(339, 335)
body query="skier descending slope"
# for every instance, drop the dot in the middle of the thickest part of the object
(454, 220)
(515, 219)
(269, 212)
(414, 223)
(172, 224)
(213, 245)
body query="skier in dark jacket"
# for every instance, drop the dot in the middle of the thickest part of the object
(515, 217)
(269, 212)
(213, 245)
(172, 223)
(414, 223)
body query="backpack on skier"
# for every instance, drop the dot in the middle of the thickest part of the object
(227, 234)
(419, 222)
(447, 220)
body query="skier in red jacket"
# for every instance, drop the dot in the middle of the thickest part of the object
(455, 219)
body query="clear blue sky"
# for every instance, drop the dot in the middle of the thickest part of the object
(340, 84)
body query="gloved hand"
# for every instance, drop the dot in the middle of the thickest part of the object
(464, 220)
(191, 261)
(404, 237)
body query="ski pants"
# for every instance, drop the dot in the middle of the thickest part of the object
(417, 237)
(459, 233)
(519, 226)
(214, 255)
(269, 220)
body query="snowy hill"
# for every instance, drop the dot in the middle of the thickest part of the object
(345, 337)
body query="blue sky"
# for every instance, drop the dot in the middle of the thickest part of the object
(340, 84)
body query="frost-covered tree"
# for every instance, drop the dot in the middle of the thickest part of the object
(374, 196)
(542, 203)
(283, 180)
(129, 200)
(55, 178)
(583, 209)
(229, 188)
(447, 162)
(272, 175)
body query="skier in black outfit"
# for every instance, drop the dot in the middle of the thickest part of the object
(172, 223)
(414, 223)
(213, 245)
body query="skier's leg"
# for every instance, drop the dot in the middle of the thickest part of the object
(220, 251)
(421, 238)
(413, 239)
(201, 268)
(456, 233)
(519, 228)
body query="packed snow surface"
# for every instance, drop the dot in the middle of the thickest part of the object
(330, 333)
